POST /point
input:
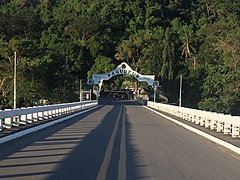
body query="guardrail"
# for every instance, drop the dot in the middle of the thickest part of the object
(219, 122)
(26, 115)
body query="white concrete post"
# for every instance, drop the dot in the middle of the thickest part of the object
(198, 119)
(65, 110)
(235, 126)
(227, 124)
(23, 117)
(227, 128)
(203, 119)
(220, 126)
(235, 131)
(35, 117)
(29, 118)
(54, 113)
(213, 125)
(60, 111)
(15, 120)
(207, 120)
(1, 124)
(57, 112)
(45, 113)
(49, 113)
(7, 121)
(40, 116)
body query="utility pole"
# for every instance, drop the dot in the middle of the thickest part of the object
(15, 82)
(80, 91)
(180, 92)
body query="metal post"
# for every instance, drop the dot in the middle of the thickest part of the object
(15, 82)
(155, 86)
(90, 94)
(155, 89)
(80, 91)
(180, 92)
(99, 88)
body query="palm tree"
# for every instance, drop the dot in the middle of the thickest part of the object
(186, 48)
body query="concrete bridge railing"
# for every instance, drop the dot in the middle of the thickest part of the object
(26, 115)
(219, 122)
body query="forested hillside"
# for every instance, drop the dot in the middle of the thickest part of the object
(59, 42)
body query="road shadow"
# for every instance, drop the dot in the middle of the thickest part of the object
(20, 143)
(83, 161)
(135, 166)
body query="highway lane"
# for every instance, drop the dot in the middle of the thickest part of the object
(121, 140)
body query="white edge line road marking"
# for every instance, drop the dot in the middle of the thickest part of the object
(108, 154)
(201, 133)
(45, 125)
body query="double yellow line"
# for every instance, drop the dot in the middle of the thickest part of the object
(108, 154)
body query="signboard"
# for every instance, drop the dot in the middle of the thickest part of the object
(123, 68)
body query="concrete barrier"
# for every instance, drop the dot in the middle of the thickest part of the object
(28, 115)
(219, 122)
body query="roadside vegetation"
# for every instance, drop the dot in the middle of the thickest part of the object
(59, 42)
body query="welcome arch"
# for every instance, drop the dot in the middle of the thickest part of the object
(122, 69)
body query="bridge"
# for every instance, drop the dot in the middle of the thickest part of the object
(118, 140)
(108, 139)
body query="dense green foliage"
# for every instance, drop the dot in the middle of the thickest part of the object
(59, 42)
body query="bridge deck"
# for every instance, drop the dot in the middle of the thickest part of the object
(121, 140)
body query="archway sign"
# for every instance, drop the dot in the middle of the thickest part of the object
(123, 68)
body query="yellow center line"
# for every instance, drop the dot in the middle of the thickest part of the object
(122, 160)
(104, 167)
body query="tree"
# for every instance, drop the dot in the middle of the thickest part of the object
(168, 57)
(60, 41)
(102, 65)
(229, 47)
(220, 89)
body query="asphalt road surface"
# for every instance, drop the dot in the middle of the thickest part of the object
(118, 141)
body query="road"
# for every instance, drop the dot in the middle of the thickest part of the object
(120, 140)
